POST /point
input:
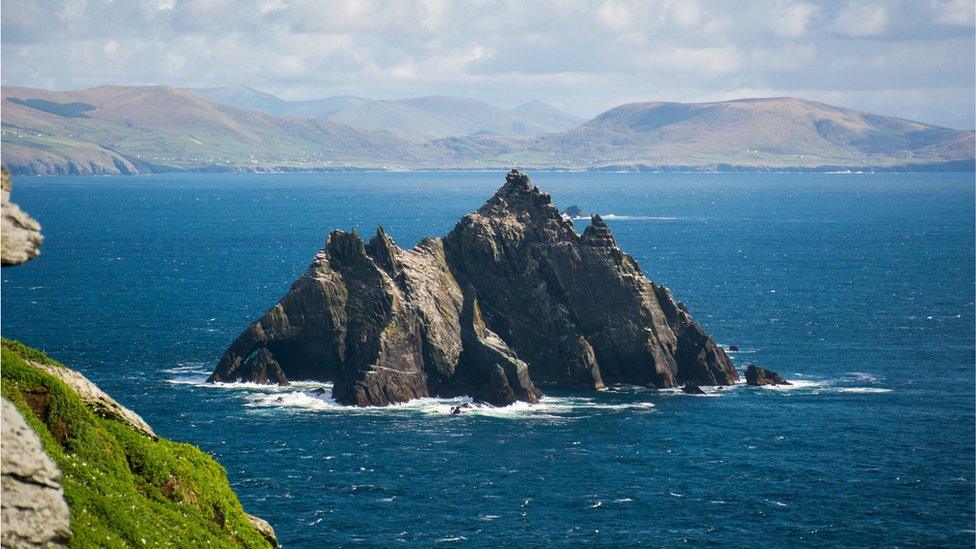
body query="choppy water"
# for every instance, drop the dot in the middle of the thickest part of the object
(858, 287)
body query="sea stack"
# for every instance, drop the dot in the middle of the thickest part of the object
(511, 296)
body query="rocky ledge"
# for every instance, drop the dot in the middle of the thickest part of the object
(511, 296)
(758, 377)
(20, 234)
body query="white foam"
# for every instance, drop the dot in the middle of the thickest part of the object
(796, 384)
(818, 386)
(615, 217)
(549, 407)
(861, 376)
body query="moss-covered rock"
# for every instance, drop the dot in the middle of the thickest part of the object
(124, 488)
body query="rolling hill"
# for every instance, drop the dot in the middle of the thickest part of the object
(778, 132)
(244, 97)
(143, 129)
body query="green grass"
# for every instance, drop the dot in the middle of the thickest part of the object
(123, 489)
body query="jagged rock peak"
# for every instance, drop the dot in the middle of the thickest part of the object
(598, 234)
(345, 245)
(511, 296)
(519, 195)
(384, 251)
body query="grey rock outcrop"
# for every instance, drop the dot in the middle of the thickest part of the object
(32, 509)
(262, 526)
(757, 377)
(96, 399)
(510, 296)
(20, 234)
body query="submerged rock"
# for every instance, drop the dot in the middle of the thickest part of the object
(692, 389)
(20, 234)
(574, 212)
(510, 296)
(757, 376)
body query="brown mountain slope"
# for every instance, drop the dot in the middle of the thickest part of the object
(133, 129)
(117, 129)
(776, 132)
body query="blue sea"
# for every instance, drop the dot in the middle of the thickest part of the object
(857, 287)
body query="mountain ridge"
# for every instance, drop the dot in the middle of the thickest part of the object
(148, 129)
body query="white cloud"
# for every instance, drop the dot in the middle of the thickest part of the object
(111, 47)
(792, 20)
(690, 60)
(959, 13)
(583, 54)
(270, 6)
(860, 19)
(615, 15)
(784, 58)
(686, 13)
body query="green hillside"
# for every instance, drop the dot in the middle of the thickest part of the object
(123, 488)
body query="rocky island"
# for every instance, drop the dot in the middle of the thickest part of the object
(513, 295)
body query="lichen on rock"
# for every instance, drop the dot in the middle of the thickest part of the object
(511, 296)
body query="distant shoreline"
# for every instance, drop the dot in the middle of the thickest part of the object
(955, 166)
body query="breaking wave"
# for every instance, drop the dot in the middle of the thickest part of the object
(615, 217)
(316, 396)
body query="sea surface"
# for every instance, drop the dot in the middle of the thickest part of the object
(857, 287)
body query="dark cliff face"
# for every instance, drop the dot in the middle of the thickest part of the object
(512, 294)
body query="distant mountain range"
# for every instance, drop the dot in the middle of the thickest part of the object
(419, 119)
(145, 129)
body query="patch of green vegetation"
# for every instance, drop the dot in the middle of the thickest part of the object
(123, 488)
(67, 110)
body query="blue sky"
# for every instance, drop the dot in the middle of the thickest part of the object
(913, 59)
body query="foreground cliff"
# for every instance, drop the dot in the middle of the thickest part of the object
(69, 448)
(510, 297)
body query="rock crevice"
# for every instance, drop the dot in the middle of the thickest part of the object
(510, 296)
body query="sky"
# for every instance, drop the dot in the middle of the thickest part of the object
(915, 59)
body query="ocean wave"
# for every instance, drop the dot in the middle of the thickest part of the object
(316, 396)
(860, 390)
(548, 407)
(835, 385)
(797, 384)
(615, 217)
(861, 376)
